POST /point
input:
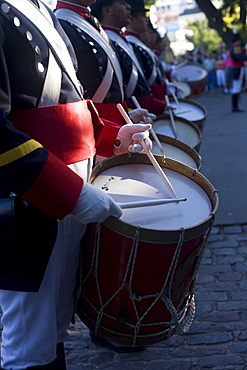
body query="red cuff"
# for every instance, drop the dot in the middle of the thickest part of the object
(153, 105)
(105, 147)
(56, 189)
(159, 91)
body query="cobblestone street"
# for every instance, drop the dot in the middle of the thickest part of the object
(217, 338)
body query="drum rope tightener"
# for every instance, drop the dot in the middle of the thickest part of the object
(166, 299)
(171, 272)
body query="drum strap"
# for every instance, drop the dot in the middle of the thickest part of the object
(134, 40)
(102, 39)
(136, 68)
(51, 35)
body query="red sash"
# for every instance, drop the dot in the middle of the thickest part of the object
(159, 91)
(153, 105)
(110, 112)
(66, 130)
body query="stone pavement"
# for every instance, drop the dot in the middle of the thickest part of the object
(217, 338)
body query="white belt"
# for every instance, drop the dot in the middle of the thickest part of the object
(53, 38)
(102, 39)
(135, 40)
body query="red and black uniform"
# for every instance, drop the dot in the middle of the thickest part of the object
(148, 61)
(89, 52)
(37, 144)
(142, 89)
(238, 56)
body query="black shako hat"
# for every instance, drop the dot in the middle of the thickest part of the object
(98, 5)
(137, 5)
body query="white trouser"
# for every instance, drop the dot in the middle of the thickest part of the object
(33, 323)
(237, 84)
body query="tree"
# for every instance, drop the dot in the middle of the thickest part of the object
(204, 36)
(230, 13)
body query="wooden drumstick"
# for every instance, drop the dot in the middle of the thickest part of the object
(151, 202)
(174, 95)
(149, 154)
(155, 137)
(171, 117)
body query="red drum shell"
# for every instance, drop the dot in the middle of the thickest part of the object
(125, 282)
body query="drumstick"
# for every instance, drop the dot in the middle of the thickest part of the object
(174, 95)
(151, 202)
(186, 111)
(171, 117)
(135, 101)
(181, 64)
(149, 154)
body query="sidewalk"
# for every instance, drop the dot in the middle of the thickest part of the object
(217, 338)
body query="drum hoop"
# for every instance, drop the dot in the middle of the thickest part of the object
(184, 85)
(183, 146)
(151, 235)
(193, 102)
(184, 120)
(197, 65)
(187, 316)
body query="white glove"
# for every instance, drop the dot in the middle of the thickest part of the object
(180, 91)
(177, 89)
(140, 114)
(170, 87)
(95, 205)
(169, 107)
(137, 114)
(129, 135)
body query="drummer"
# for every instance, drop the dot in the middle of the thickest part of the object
(138, 24)
(92, 49)
(103, 81)
(48, 139)
(113, 16)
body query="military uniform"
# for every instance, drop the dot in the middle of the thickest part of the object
(141, 89)
(86, 37)
(238, 56)
(45, 129)
(151, 68)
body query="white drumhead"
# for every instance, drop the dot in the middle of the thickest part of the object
(191, 72)
(185, 86)
(140, 182)
(185, 132)
(174, 152)
(188, 111)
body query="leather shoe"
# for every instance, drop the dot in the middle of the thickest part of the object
(237, 110)
(116, 347)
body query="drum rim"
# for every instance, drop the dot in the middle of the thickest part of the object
(197, 65)
(157, 236)
(184, 147)
(184, 120)
(180, 84)
(193, 102)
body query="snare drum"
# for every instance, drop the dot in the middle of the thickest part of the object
(195, 75)
(190, 110)
(138, 273)
(187, 132)
(178, 151)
